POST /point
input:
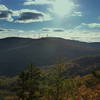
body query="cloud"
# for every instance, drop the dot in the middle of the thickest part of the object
(6, 30)
(28, 16)
(75, 13)
(37, 2)
(52, 30)
(16, 33)
(3, 7)
(89, 26)
(5, 13)
(46, 29)
(22, 15)
(93, 25)
(1, 30)
(73, 34)
(81, 35)
(58, 30)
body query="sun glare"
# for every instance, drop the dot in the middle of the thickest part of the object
(63, 7)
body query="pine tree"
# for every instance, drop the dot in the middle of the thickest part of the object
(56, 81)
(33, 83)
(28, 84)
(20, 88)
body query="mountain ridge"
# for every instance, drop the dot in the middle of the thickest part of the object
(16, 53)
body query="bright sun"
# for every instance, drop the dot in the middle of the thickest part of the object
(63, 7)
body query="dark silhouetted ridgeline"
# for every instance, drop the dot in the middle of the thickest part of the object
(16, 53)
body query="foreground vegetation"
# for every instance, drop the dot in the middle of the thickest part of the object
(53, 84)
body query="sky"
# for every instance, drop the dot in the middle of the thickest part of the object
(69, 19)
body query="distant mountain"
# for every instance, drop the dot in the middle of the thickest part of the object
(17, 53)
(83, 65)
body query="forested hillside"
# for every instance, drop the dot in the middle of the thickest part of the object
(34, 83)
(17, 53)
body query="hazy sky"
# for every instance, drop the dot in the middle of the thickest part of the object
(70, 19)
